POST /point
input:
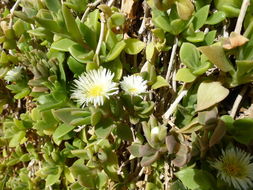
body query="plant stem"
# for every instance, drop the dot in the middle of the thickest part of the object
(166, 177)
(238, 101)
(240, 19)
(173, 106)
(172, 56)
(143, 23)
(90, 6)
(110, 3)
(12, 12)
(102, 31)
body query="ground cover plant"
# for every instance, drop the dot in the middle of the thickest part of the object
(126, 94)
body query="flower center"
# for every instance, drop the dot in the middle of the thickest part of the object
(96, 90)
(234, 170)
(133, 90)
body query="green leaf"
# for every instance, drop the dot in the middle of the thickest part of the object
(216, 55)
(62, 130)
(134, 46)
(228, 120)
(53, 5)
(110, 39)
(70, 178)
(81, 121)
(196, 37)
(200, 17)
(209, 94)
(116, 67)
(17, 138)
(230, 8)
(53, 178)
(216, 18)
(104, 128)
(177, 185)
(152, 186)
(162, 22)
(41, 32)
(71, 25)
(19, 27)
(177, 26)
(185, 9)
(210, 36)
(95, 116)
(49, 24)
(117, 19)
(93, 21)
(190, 56)
(24, 92)
(242, 129)
(160, 82)
(75, 66)
(185, 75)
(88, 34)
(196, 179)
(102, 180)
(63, 44)
(150, 52)
(244, 67)
(124, 132)
(115, 51)
(67, 115)
(85, 176)
(81, 54)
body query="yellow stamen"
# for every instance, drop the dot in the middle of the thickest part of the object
(96, 91)
(132, 89)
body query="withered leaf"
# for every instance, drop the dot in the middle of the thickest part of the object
(171, 143)
(235, 40)
(218, 133)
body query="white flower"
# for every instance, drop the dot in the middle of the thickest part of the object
(14, 74)
(134, 85)
(155, 131)
(234, 167)
(94, 87)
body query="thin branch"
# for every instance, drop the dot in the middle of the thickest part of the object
(102, 31)
(166, 175)
(90, 6)
(141, 172)
(172, 56)
(173, 106)
(12, 12)
(174, 82)
(238, 101)
(238, 28)
(143, 23)
(225, 32)
(110, 3)
(240, 19)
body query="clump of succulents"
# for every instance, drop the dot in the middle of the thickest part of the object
(151, 94)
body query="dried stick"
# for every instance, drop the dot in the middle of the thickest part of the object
(12, 12)
(110, 3)
(90, 6)
(101, 36)
(238, 101)
(173, 106)
(166, 177)
(240, 19)
(143, 23)
(238, 29)
(172, 56)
